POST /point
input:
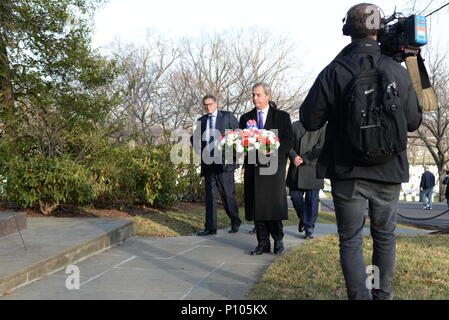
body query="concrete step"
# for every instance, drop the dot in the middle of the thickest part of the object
(12, 222)
(54, 243)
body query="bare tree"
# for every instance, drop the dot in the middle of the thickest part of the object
(146, 70)
(227, 65)
(433, 135)
(434, 131)
(422, 7)
(165, 81)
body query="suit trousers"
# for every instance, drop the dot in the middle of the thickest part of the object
(265, 228)
(305, 203)
(351, 198)
(223, 182)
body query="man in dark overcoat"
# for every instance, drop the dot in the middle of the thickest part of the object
(265, 194)
(301, 179)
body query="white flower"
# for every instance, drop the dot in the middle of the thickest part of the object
(239, 148)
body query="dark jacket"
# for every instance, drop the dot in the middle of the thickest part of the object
(446, 183)
(427, 180)
(308, 146)
(324, 103)
(265, 195)
(225, 121)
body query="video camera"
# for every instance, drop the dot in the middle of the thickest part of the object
(404, 38)
(403, 41)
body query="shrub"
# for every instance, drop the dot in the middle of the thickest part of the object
(47, 183)
(240, 194)
(191, 184)
(131, 176)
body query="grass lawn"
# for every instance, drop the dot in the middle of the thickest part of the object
(312, 271)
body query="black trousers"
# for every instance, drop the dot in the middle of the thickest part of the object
(265, 228)
(223, 182)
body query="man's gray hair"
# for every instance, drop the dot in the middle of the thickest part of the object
(266, 87)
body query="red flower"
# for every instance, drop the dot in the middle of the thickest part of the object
(246, 134)
(245, 143)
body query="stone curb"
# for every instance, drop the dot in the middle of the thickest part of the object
(55, 263)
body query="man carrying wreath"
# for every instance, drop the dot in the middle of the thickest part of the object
(265, 193)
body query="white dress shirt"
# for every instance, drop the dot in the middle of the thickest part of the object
(213, 118)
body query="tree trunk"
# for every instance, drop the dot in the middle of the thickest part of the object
(442, 187)
(7, 97)
(6, 93)
(6, 90)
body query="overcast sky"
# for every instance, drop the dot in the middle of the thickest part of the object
(314, 25)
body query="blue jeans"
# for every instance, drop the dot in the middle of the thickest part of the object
(427, 197)
(306, 207)
(350, 200)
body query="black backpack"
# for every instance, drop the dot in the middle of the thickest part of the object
(374, 121)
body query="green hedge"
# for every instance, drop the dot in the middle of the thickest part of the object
(47, 183)
(118, 176)
(126, 176)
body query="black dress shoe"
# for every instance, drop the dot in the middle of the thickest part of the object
(278, 247)
(308, 236)
(259, 250)
(205, 233)
(234, 230)
(300, 226)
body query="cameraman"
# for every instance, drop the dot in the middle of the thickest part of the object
(352, 185)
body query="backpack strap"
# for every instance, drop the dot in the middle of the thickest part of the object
(348, 65)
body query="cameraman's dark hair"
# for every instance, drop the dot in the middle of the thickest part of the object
(209, 96)
(357, 24)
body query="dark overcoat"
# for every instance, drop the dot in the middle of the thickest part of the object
(446, 182)
(307, 145)
(265, 195)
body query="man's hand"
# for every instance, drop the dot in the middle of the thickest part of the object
(298, 161)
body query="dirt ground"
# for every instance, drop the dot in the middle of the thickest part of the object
(112, 213)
